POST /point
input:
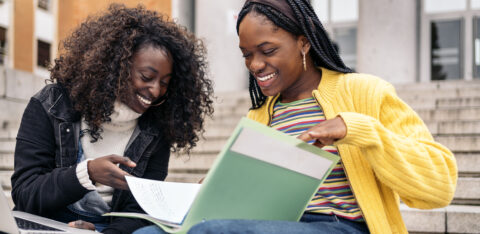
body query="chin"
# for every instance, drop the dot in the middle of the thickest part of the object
(268, 92)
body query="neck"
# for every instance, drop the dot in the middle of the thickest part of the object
(304, 86)
(122, 118)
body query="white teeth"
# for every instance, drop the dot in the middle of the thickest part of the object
(144, 100)
(265, 78)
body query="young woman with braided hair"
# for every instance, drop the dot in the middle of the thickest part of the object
(300, 86)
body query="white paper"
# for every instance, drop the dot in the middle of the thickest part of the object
(278, 153)
(162, 200)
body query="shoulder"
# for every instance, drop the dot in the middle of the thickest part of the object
(364, 79)
(261, 114)
(56, 101)
(365, 83)
(49, 92)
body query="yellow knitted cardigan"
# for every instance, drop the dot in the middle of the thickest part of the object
(388, 151)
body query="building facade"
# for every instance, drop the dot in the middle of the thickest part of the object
(402, 41)
(31, 30)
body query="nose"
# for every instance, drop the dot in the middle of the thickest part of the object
(256, 65)
(155, 89)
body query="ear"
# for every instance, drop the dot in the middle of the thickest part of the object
(303, 44)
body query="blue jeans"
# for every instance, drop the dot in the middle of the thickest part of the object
(309, 223)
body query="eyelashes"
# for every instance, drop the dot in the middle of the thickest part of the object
(265, 52)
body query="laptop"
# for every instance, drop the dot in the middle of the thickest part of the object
(21, 222)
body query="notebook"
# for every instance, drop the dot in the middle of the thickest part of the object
(260, 173)
(21, 222)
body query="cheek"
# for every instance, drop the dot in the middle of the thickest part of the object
(135, 84)
(130, 91)
(247, 63)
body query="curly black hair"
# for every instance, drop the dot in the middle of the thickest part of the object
(95, 69)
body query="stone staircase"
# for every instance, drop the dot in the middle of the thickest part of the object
(451, 110)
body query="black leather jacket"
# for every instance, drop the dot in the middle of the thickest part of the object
(45, 181)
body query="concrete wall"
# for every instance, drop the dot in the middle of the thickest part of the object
(215, 23)
(16, 88)
(386, 45)
(183, 12)
(387, 39)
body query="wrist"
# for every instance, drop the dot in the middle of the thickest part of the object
(83, 175)
(89, 172)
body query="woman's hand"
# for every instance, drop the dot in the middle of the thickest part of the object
(326, 132)
(104, 170)
(80, 224)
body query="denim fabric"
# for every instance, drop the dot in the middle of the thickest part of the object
(46, 154)
(309, 223)
(92, 204)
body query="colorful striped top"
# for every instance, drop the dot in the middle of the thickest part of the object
(335, 195)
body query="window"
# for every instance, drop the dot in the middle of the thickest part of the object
(3, 45)
(476, 47)
(446, 50)
(346, 42)
(439, 6)
(450, 40)
(43, 54)
(44, 4)
(340, 20)
(184, 12)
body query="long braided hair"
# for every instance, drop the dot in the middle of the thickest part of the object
(323, 52)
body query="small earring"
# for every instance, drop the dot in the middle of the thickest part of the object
(304, 62)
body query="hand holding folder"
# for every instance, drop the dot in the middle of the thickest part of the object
(260, 173)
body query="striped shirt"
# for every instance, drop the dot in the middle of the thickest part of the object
(335, 195)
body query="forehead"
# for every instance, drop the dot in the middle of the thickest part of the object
(151, 54)
(256, 29)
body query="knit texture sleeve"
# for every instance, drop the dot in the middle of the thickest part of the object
(83, 176)
(401, 150)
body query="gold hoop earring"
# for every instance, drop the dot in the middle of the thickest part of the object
(304, 61)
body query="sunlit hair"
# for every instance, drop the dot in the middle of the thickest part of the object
(95, 69)
(322, 50)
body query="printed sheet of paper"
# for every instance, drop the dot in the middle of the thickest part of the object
(167, 201)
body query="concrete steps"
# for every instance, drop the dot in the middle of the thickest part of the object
(451, 110)
(451, 219)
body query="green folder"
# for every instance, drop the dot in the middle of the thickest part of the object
(260, 174)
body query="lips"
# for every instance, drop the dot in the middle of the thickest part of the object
(267, 77)
(266, 80)
(144, 100)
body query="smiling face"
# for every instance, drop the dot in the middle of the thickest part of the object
(151, 72)
(274, 57)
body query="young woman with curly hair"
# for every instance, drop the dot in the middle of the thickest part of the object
(129, 88)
